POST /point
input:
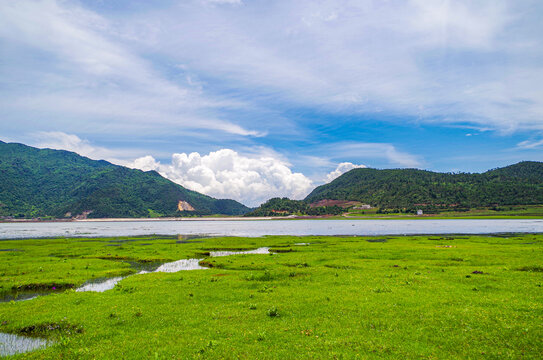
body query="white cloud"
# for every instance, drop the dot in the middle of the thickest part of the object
(86, 71)
(370, 152)
(529, 144)
(460, 62)
(61, 141)
(228, 174)
(230, 2)
(341, 169)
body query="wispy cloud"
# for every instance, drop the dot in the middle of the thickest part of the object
(89, 73)
(439, 62)
(530, 144)
(370, 152)
(59, 140)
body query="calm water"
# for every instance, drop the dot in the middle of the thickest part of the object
(266, 227)
(13, 344)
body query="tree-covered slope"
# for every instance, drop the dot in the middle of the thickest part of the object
(45, 182)
(519, 184)
(285, 206)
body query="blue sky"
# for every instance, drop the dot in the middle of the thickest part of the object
(252, 99)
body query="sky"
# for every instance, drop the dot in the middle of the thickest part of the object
(252, 99)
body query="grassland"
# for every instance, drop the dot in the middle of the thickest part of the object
(510, 212)
(339, 297)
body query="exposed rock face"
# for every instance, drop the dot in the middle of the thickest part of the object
(184, 206)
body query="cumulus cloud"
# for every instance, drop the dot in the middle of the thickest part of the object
(227, 174)
(341, 169)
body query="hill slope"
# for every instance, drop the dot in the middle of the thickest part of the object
(39, 182)
(519, 184)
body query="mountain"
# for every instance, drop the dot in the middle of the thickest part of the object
(44, 182)
(518, 184)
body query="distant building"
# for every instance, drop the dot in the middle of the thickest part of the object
(419, 212)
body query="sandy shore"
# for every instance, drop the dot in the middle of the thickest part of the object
(226, 218)
(184, 219)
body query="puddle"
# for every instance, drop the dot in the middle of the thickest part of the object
(302, 244)
(179, 265)
(100, 285)
(11, 250)
(21, 295)
(14, 344)
(104, 284)
(262, 250)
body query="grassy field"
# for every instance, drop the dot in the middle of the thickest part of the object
(508, 212)
(397, 297)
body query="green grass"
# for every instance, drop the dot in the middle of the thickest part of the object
(508, 212)
(340, 297)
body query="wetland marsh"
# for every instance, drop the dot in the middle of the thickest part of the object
(448, 296)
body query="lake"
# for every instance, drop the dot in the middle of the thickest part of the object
(266, 227)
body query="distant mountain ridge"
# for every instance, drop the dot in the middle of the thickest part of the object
(43, 182)
(518, 184)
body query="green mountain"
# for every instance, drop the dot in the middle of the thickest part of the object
(519, 184)
(44, 182)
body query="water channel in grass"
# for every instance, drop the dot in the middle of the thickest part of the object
(101, 285)
(14, 344)
(104, 284)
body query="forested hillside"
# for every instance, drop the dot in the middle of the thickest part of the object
(44, 182)
(519, 184)
(285, 206)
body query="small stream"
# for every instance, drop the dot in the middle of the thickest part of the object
(101, 285)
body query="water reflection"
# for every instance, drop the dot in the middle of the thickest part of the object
(100, 285)
(180, 265)
(13, 344)
(262, 250)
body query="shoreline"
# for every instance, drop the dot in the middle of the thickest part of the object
(25, 221)
(266, 218)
